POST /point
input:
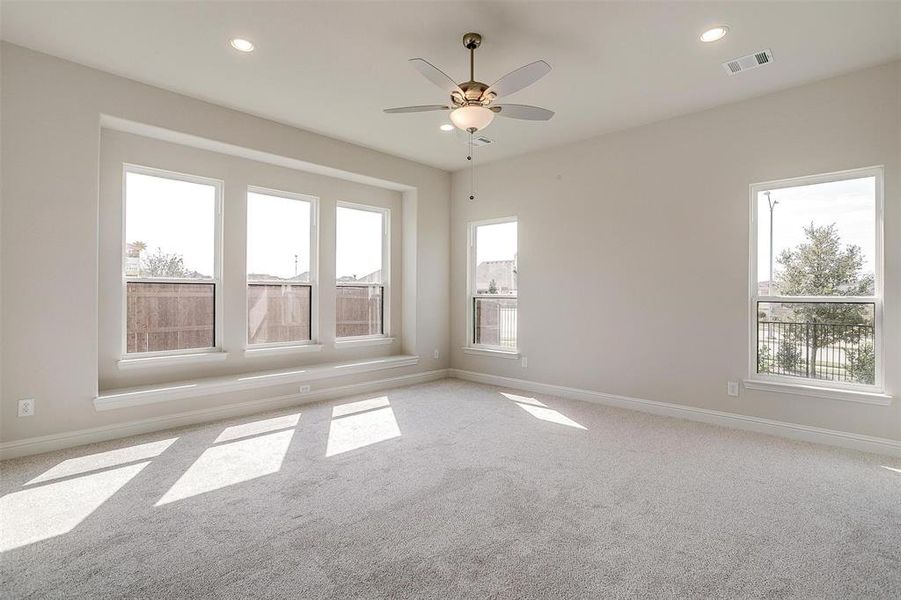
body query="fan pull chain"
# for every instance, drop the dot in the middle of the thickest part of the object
(472, 170)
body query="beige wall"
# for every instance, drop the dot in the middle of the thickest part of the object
(51, 112)
(633, 247)
(650, 225)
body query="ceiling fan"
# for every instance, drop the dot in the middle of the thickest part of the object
(472, 102)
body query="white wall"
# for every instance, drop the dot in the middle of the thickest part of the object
(633, 247)
(51, 113)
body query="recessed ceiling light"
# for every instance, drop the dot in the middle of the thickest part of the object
(715, 33)
(241, 45)
(447, 127)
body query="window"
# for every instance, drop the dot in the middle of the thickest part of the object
(170, 262)
(492, 284)
(361, 270)
(281, 268)
(816, 280)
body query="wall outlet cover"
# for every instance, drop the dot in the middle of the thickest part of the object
(26, 407)
(305, 389)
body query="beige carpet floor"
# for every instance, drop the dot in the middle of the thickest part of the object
(451, 490)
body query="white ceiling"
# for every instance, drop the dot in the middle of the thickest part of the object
(331, 67)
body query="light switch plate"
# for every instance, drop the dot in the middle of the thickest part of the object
(732, 388)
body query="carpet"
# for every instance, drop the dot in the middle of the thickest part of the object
(451, 489)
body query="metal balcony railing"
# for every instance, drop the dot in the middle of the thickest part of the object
(831, 351)
(494, 320)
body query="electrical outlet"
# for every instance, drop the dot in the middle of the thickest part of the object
(732, 388)
(437, 355)
(525, 362)
(305, 389)
(26, 407)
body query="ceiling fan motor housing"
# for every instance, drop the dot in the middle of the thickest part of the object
(473, 93)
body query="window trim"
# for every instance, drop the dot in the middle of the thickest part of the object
(170, 360)
(314, 271)
(783, 383)
(360, 341)
(216, 280)
(486, 349)
(386, 274)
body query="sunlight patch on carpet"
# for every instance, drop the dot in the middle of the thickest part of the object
(103, 460)
(362, 429)
(522, 399)
(359, 406)
(46, 511)
(539, 410)
(232, 463)
(550, 415)
(243, 430)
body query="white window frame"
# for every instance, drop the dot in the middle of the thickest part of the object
(386, 274)
(314, 269)
(471, 345)
(218, 295)
(804, 385)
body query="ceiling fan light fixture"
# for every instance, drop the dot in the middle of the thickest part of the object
(472, 117)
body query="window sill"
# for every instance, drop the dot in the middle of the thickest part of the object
(281, 350)
(149, 362)
(512, 354)
(819, 392)
(180, 390)
(360, 342)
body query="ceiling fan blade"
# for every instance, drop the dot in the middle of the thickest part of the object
(415, 109)
(435, 75)
(523, 111)
(519, 79)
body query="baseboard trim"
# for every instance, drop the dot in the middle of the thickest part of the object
(47, 443)
(783, 429)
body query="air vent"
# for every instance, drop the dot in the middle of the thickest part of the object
(751, 61)
(477, 140)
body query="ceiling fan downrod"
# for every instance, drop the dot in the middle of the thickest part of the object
(471, 41)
